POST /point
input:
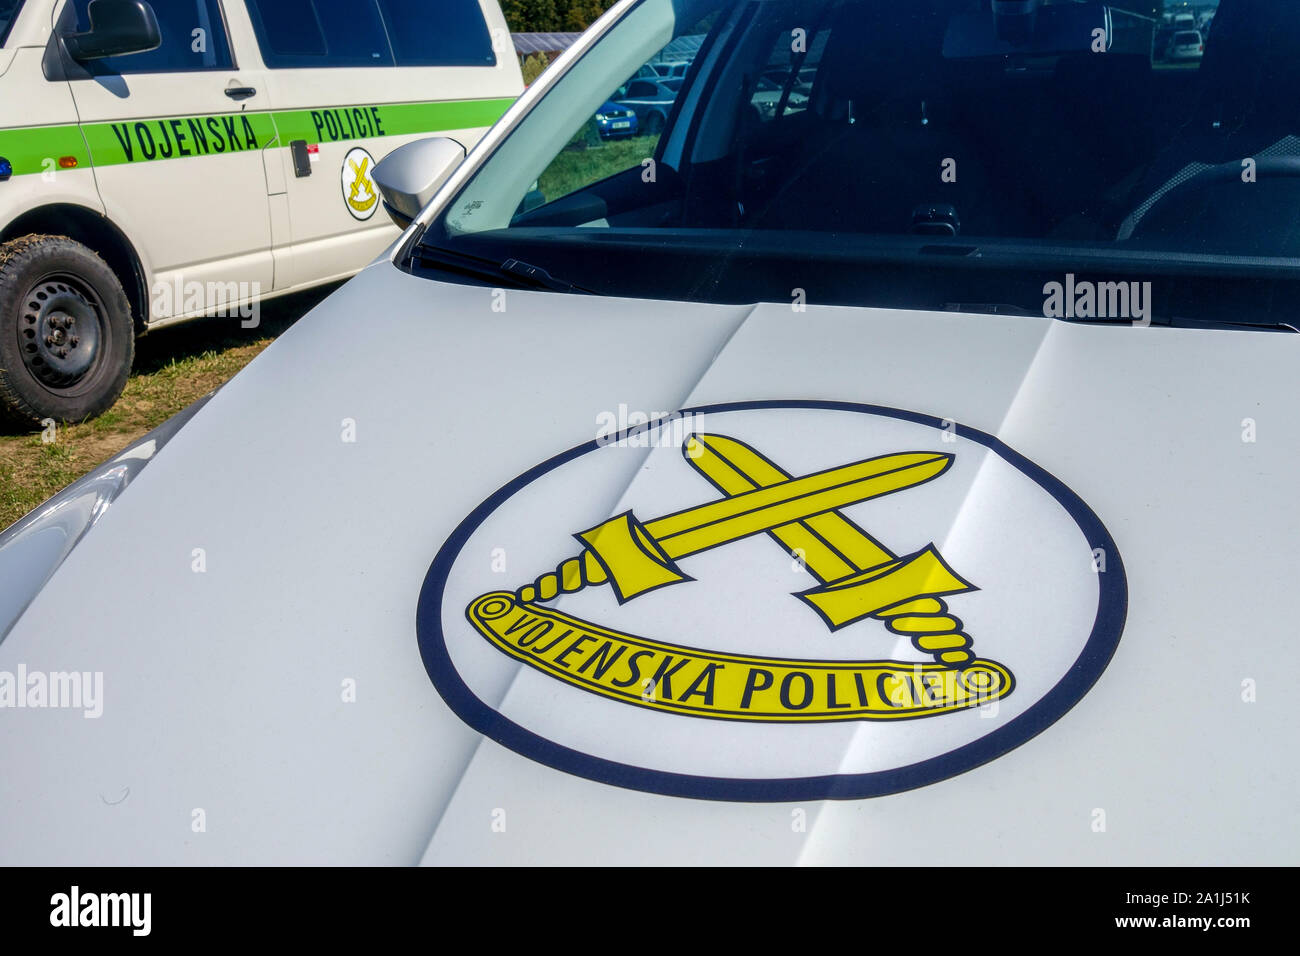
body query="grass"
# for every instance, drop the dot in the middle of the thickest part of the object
(584, 162)
(173, 368)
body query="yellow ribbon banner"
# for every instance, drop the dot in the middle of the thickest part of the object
(699, 683)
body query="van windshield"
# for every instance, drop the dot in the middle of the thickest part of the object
(923, 153)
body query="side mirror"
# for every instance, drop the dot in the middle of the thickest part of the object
(409, 176)
(117, 27)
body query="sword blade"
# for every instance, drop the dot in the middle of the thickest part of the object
(791, 501)
(831, 546)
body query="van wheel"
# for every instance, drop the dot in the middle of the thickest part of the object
(66, 336)
(654, 124)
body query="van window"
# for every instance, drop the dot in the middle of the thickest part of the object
(449, 33)
(320, 33)
(8, 14)
(193, 38)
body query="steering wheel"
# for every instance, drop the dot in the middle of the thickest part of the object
(1220, 206)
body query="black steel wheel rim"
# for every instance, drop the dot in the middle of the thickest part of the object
(61, 330)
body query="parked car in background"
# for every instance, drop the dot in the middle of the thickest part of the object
(1185, 45)
(770, 92)
(671, 70)
(170, 159)
(614, 121)
(1160, 38)
(650, 100)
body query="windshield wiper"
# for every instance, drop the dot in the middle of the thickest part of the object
(1183, 322)
(1176, 322)
(539, 277)
(989, 308)
(522, 274)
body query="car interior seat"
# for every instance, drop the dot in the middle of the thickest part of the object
(878, 132)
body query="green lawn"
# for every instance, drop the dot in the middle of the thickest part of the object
(584, 162)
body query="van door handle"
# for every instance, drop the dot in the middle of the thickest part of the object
(240, 92)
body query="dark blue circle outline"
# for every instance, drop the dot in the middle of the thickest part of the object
(1112, 609)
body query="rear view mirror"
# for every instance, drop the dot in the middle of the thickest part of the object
(1053, 30)
(117, 27)
(1015, 20)
(409, 176)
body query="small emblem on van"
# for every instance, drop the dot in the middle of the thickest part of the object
(358, 188)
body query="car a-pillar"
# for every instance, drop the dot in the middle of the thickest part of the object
(67, 339)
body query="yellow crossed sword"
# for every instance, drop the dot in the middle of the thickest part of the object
(361, 180)
(860, 578)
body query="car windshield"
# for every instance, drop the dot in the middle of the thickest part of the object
(926, 154)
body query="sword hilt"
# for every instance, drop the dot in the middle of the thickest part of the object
(905, 593)
(932, 630)
(568, 577)
(620, 551)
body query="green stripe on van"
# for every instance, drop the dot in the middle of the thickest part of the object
(38, 149)
(35, 149)
(332, 125)
(139, 141)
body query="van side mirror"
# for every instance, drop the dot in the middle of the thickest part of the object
(117, 27)
(409, 176)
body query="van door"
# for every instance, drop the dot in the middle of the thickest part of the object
(176, 137)
(351, 80)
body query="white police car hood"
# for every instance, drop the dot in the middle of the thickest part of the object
(1104, 518)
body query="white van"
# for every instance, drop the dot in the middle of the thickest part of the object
(166, 159)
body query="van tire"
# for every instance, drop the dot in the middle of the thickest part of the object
(66, 336)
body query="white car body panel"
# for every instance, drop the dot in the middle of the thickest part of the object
(222, 688)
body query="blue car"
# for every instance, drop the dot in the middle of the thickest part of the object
(651, 100)
(615, 122)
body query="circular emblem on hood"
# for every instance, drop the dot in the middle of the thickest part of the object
(359, 193)
(773, 601)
